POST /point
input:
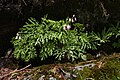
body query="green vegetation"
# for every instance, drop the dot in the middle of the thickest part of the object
(55, 38)
(48, 38)
(88, 38)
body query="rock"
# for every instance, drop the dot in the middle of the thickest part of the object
(52, 78)
(90, 65)
(42, 77)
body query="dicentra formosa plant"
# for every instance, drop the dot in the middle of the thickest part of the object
(52, 39)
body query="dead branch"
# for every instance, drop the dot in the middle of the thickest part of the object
(24, 2)
(15, 71)
(105, 13)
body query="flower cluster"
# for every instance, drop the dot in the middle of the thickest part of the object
(70, 20)
(17, 36)
(73, 19)
(66, 27)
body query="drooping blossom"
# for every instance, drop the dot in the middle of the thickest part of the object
(64, 27)
(68, 27)
(74, 19)
(69, 19)
(17, 36)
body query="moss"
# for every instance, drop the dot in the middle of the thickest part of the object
(109, 71)
(85, 73)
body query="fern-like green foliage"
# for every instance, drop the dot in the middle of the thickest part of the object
(53, 40)
(106, 34)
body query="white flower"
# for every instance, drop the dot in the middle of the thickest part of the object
(64, 27)
(74, 18)
(69, 19)
(68, 27)
(73, 15)
(17, 36)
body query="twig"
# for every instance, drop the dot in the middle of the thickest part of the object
(24, 2)
(24, 67)
(104, 10)
(15, 71)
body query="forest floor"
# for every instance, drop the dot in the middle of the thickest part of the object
(104, 68)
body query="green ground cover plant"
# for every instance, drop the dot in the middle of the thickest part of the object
(50, 38)
(59, 39)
